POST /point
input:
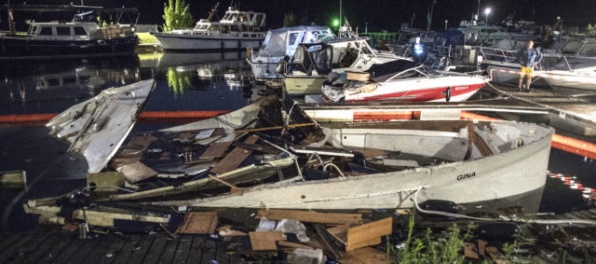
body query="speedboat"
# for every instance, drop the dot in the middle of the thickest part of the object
(414, 84)
(237, 30)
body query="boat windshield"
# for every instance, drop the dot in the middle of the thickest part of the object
(589, 49)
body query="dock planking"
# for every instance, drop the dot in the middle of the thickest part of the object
(63, 247)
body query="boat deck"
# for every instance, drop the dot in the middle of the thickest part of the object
(57, 246)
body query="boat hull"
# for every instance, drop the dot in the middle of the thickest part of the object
(29, 48)
(569, 79)
(460, 88)
(481, 181)
(187, 42)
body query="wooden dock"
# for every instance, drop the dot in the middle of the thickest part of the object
(61, 247)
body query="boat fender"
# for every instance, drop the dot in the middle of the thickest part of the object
(499, 231)
(101, 42)
(448, 94)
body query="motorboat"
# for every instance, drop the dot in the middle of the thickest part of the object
(259, 157)
(312, 63)
(576, 68)
(413, 84)
(237, 30)
(282, 43)
(88, 34)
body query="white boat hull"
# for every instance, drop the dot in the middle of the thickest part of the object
(507, 174)
(571, 79)
(97, 127)
(187, 42)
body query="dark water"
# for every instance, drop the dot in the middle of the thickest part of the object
(207, 81)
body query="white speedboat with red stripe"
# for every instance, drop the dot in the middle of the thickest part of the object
(417, 84)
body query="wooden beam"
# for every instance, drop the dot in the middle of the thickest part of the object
(310, 216)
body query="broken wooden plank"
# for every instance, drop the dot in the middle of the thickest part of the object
(366, 255)
(310, 216)
(235, 157)
(133, 151)
(327, 240)
(136, 171)
(198, 223)
(496, 255)
(215, 150)
(227, 230)
(471, 251)
(292, 245)
(366, 232)
(265, 241)
(353, 237)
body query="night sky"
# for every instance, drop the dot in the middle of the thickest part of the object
(376, 14)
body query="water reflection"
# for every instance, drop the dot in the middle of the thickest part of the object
(27, 84)
(202, 71)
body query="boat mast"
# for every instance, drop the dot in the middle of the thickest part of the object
(212, 13)
(430, 16)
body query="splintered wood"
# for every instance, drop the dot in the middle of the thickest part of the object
(353, 237)
(310, 217)
(365, 255)
(198, 223)
(265, 241)
(234, 158)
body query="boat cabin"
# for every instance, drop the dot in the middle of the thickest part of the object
(77, 31)
(233, 21)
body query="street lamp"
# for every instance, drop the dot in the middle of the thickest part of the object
(487, 12)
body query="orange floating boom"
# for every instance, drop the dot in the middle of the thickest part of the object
(42, 118)
(563, 143)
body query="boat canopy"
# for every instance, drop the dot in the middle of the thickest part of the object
(284, 41)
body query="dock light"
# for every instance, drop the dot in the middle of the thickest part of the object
(335, 22)
(418, 48)
(487, 12)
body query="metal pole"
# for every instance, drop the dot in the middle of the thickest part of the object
(340, 6)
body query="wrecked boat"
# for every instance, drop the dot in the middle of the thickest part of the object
(96, 128)
(270, 154)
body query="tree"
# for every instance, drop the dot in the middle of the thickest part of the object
(177, 15)
(290, 20)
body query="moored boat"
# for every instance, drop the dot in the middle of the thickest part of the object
(414, 84)
(86, 35)
(237, 30)
(313, 62)
(280, 43)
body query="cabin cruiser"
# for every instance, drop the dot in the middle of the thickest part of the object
(83, 36)
(282, 43)
(312, 63)
(237, 30)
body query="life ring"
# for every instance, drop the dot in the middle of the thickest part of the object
(448, 94)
